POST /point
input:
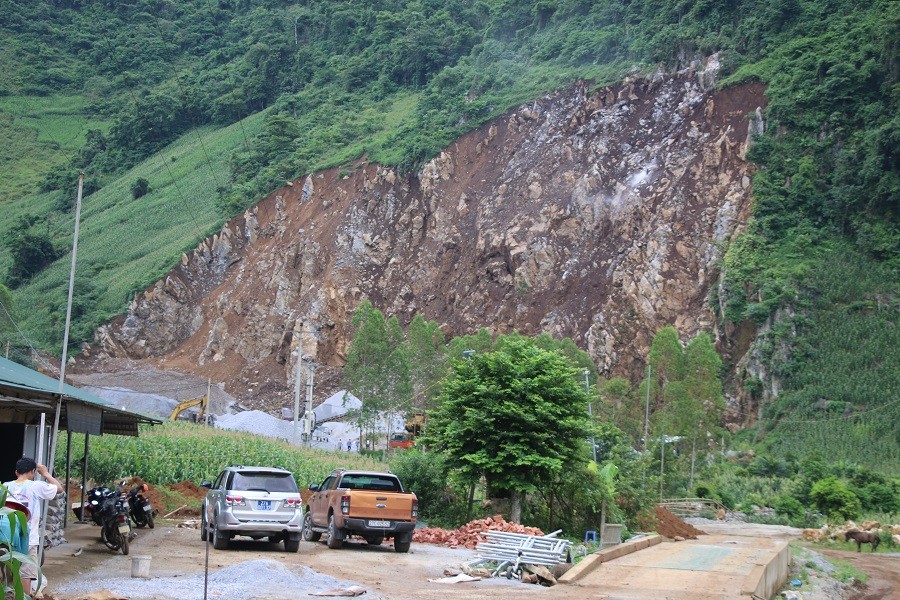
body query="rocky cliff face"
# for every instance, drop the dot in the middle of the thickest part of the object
(593, 214)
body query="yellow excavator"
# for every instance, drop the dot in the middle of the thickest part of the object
(202, 402)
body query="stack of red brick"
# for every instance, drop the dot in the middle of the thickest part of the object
(469, 534)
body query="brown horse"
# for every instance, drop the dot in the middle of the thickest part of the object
(863, 537)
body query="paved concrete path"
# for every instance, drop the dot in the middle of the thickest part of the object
(712, 567)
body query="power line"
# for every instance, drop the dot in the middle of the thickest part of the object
(184, 99)
(835, 419)
(27, 341)
(159, 151)
(212, 17)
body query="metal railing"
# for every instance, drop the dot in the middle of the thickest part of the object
(693, 507)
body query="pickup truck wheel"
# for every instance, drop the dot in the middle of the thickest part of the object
(334, 539)
(375, 540)
(402, 545)
(308, 534)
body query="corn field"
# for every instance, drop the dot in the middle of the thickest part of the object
(175, 452)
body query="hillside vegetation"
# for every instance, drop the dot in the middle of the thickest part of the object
(215, 104)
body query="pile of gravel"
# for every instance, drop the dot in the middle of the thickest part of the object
(258, 422)
(251, 579)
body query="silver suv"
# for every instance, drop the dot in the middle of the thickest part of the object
(257, 502)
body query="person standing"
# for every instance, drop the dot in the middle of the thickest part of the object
(28, 492)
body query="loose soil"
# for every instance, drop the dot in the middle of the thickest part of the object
(670, 526)
(883, 571)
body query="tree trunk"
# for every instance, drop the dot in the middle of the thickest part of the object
(470, 502)
(515, 510)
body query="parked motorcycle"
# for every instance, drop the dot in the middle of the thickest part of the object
(139, 506)
(109, 509)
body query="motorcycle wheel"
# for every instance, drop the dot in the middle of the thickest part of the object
(124, 545)
(110, 543)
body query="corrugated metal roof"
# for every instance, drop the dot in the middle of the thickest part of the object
(30, 391)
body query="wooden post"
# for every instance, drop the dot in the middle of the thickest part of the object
(84, 475)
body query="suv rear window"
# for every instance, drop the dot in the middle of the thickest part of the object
(245, 481)
(370, 482)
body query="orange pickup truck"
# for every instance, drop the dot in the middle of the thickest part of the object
(364, 503)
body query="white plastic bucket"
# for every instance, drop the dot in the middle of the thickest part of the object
(140, 566)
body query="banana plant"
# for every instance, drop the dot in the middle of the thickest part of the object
(13, 547)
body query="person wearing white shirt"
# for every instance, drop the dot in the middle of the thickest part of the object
(28, 492)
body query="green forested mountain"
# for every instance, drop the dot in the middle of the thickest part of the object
(214, 103)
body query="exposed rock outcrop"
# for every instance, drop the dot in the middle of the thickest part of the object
(597, 214)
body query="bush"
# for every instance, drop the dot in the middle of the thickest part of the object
(788, 506)
(425, 474)
(834, 499)
(140, 187)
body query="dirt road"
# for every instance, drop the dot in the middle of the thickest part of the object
(178, 563)
(263, 570)
(883, 571)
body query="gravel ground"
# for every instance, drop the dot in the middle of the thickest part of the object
(263, 578)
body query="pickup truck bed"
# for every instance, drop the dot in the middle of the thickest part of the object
(369, 504)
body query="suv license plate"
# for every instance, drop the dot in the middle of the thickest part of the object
(379, 523)
(263, 505)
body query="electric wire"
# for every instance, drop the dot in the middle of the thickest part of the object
(34, 352)
(184, 100)
(212, 16)
(158, 152)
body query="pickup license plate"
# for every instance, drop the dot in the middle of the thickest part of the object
(263, 505)
(379, 523)
(124, 528)
(147, 508)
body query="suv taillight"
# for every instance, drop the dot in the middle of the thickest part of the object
(415, 509)
(293, 502)
(345, 505)
(234, 500)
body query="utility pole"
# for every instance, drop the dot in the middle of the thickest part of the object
(662, 464)
(587, 390)
(647, 412)
(297, 383)
(308, 410)
(62, 366)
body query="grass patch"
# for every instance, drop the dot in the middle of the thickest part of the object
(126, 244)
(38, 134)
(847, 573)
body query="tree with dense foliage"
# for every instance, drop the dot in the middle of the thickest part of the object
(834, 499)
(378, 368)
(516, 416)
(426, 360)
(29, 243)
